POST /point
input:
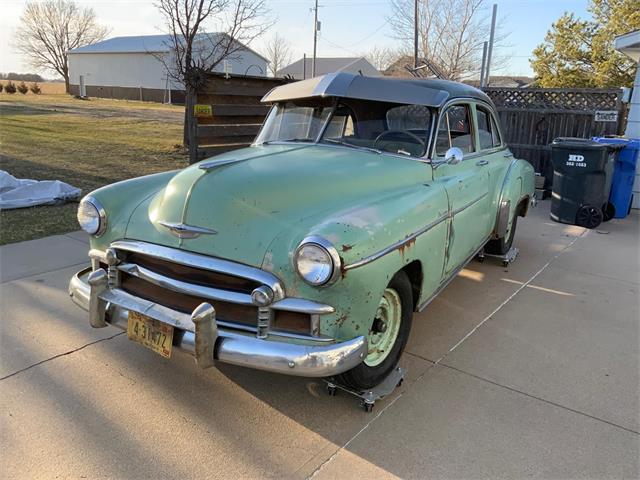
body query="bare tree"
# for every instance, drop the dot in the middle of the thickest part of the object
(48, 30)
(278, 52)
(381, 57)
(450, 34)
(196, 50)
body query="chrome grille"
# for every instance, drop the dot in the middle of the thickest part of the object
(182, 280)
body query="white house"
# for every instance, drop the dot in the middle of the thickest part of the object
(629, 44)
(135, 68)
(301, 69)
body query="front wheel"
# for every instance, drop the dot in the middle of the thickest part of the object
(387, 337)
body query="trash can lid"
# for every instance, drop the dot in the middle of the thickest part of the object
(630, 147)
(579, 143)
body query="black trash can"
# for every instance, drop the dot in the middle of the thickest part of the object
(582, 172)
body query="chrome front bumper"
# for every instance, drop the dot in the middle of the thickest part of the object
(205, 341)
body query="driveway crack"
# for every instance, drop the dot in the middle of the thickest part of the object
(369, 423)
(61, 355)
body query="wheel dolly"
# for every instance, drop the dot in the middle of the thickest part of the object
(370, 396)
(506, 259)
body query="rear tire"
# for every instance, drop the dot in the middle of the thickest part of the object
(375, 367)
(500, 246)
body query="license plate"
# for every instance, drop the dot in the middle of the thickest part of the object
(151, 333)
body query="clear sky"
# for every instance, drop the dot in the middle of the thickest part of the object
(349, 27)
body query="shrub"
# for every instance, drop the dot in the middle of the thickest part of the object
(22, 88)
(10, 87)
(35, 88)
(1, 87)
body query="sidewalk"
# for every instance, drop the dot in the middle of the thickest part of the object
(528, 371)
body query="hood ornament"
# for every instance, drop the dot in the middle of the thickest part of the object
(182, 230)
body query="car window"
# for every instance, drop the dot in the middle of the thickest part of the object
(409, 117)
(340, 125)
(387, 127)
(495, 133)
(487, 129)
(455, 130)
(291, 122)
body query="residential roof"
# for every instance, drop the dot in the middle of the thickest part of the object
(323, 65)
(140, 44)
(629, 44)
(137, 44)
(430, 92)
(397, 68)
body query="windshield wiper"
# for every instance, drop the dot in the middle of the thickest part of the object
(271, 142)
(347, 144)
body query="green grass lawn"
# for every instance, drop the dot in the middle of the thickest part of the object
(87, 144)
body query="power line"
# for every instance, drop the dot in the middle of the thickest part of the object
(338, 46)
(373, 32)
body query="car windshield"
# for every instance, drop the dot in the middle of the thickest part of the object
(386, 127)
(294, 122)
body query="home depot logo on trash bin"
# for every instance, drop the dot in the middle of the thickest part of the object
(576, 161)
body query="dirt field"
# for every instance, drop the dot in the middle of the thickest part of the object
(48, 88)
(87, 143)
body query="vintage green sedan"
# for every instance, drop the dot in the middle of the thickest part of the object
(308, 252)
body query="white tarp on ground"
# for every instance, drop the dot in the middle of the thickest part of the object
(19, 193)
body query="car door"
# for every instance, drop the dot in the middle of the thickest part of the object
(466, 184)
(493, 151)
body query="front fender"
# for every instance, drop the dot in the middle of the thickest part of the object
(120, 199)
(378, 237)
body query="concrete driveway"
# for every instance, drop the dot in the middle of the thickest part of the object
(528, 371)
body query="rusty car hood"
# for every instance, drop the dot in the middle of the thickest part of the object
(243, 199)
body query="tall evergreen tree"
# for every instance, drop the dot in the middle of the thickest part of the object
(580, 53)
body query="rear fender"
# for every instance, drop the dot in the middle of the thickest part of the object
(517, 187)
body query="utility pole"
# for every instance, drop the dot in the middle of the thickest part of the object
(487, 72)
(315, 39)
(484, 64)
(415, 34)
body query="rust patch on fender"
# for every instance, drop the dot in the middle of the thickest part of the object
(343, 270)
(408, 243)
(346, 247)
(341, 319)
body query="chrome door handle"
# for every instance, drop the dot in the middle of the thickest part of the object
(508, 154)
(482, 163)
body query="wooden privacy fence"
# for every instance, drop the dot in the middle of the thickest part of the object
(531, 118)
(229, 113)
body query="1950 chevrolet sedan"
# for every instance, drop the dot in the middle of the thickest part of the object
(308, 252)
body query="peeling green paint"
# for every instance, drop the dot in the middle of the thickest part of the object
(265, 205)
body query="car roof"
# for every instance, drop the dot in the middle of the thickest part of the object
(429, 92)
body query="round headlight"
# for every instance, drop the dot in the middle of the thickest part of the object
(317, 261)
(91, 216)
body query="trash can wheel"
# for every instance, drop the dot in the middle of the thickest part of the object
(589, 216)
(608, 211)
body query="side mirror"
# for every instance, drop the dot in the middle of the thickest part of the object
(453, 156)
